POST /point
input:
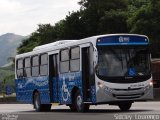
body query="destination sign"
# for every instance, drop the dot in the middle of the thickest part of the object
(123, 40)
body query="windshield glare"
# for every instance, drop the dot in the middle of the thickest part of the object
(123, 61)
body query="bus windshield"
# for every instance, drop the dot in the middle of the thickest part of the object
(124, 61)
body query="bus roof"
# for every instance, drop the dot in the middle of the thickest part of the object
(53, 44)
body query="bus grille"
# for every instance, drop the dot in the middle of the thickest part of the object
(131, 96)
(128, 93)
(128, 89)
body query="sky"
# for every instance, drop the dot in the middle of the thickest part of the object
(23, 16)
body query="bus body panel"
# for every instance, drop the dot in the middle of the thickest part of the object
(67, 82)
(26, 86)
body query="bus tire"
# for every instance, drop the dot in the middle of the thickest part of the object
(125, 106)
(37, 103)
(80, 106)
(46, 107)
(72, 108)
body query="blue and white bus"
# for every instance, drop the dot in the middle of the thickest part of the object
(109, 69)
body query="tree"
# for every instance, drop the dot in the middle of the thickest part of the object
(147, 21)
(44, 34)
(95, 14)
(74, 27)
(113, 22)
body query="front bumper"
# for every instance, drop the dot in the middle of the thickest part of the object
(138, 94)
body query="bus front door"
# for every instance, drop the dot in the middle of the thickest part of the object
(53, 78)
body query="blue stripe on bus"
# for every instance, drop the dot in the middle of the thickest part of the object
(133, 43)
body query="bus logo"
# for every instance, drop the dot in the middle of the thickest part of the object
(65, 91)
(124, 39)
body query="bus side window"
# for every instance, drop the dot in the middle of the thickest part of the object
(64, 61)
(20, 68)
(75, 59)
(27, 67)
(44, 64)
(35, 66)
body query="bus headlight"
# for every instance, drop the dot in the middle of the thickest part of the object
(105, 88)
(100, 85)
(151, 83)
(148, 86)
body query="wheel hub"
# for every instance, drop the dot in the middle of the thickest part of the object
(79, 101)
(36, 103)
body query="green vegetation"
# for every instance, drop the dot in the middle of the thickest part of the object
(7, 77)
(102, 17)
(5, 72)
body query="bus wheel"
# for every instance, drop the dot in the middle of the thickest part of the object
(46, 107)
(72, 108)
(125, 106)
(80, 106)
(37, 104)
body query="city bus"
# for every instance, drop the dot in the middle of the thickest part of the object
(112, 69)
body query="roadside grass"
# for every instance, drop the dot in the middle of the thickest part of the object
(6, 99)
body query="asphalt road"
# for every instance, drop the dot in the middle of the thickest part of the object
(139, 111)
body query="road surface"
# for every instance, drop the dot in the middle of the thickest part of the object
(139, 111)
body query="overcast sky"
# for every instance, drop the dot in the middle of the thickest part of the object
(22, 16)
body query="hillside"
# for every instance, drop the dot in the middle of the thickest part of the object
(8, 45)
